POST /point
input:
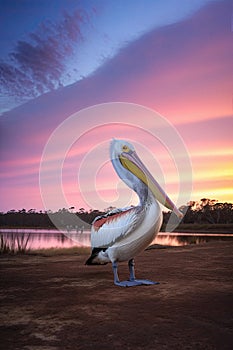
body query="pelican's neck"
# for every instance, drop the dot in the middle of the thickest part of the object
(144, 194)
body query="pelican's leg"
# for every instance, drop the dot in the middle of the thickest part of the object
(132, 278)
(115, 274)
(132, 281)
(122, 283)
(131, 264)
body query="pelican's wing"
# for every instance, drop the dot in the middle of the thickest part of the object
(109, 228)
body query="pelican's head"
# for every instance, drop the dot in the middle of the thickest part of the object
(131, 170)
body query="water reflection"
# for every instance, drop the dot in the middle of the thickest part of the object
(181, 239)
(45, 239)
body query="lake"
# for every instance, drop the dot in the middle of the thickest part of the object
(45, 239)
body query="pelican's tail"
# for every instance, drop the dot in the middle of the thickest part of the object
(95, 259)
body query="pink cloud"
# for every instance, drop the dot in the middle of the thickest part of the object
(182, 71)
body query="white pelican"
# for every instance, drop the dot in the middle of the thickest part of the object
(123, 233)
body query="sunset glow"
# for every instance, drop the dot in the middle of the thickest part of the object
(182, 70)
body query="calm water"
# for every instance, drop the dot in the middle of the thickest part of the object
(45, 239)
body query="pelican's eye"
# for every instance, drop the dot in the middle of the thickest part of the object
(125, 149)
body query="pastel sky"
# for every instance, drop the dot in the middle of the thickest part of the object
(63, 57)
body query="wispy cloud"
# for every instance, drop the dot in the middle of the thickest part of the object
(38, 64)
(183, 71)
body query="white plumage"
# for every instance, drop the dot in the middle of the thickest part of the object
(115, 226)
(123, 233)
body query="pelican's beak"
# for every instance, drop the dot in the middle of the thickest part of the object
(132, 162)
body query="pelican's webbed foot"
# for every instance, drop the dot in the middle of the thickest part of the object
(127, 283)
(132, 280)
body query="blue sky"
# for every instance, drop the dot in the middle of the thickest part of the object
(172, 57)
(49, 44)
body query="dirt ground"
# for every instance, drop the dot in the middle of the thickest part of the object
(53, 303)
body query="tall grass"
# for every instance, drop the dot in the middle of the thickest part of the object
(14, 243)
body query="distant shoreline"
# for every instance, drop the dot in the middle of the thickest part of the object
(205, 228)
(182, 228)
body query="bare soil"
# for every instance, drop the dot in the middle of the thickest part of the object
(53, 303)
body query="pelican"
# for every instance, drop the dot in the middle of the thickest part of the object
(121, 234)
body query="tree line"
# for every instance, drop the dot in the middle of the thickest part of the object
(205, 211)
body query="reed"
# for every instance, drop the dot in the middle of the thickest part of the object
(14, 243)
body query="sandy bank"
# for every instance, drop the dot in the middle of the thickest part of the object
(50, 303)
